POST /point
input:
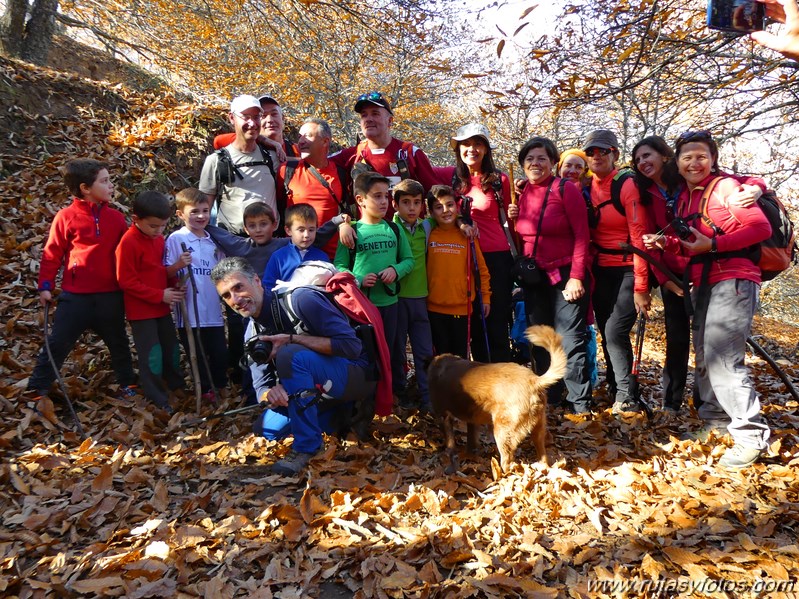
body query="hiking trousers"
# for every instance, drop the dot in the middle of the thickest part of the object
(722, 377)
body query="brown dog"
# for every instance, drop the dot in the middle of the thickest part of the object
(509, 396)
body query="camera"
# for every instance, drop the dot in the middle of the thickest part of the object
(257, 350)
(681, 228)
(736, 16)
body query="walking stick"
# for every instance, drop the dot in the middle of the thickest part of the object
(197, 322)
(756, 347)
(479, 295)
(195, 369)
(316, 394)
(468, 303)
(79, 428)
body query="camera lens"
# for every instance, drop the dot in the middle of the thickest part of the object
(259, 351)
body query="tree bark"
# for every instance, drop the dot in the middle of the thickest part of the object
(12, 26)
(39, 31)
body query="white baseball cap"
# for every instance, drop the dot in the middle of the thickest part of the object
(242, 103)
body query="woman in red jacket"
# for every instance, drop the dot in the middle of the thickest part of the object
(659, 186)
(621, 282)
(553, 225)
(475, 176)
(725, 286)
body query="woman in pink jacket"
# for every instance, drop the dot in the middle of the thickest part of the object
(720, 243)
(552, 222)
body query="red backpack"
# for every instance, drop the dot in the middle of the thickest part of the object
(343, 289)
(775, 254)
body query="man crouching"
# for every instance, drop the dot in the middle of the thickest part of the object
(328, 349)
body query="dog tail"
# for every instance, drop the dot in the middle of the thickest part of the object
(546, 337)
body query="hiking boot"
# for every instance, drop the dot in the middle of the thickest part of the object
(292, 464)
(739, 456)
(630, 405)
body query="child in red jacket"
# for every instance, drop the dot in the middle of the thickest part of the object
(82, 240)
(149, 293)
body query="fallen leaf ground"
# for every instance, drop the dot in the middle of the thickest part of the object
(146, 507)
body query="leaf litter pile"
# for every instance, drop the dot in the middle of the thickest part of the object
(145, 507)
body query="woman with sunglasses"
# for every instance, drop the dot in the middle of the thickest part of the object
(486, 196)
(552, 223)
(621, 281)
(725, 287)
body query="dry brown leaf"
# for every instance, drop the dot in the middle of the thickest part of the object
(97, 585)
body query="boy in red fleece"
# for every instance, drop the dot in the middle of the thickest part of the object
(149, 293)
(82, 239)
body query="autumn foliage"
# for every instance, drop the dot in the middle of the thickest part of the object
(149, 508)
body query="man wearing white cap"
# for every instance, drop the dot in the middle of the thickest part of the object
(243, 172)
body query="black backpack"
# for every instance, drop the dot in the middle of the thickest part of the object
(227, 172)
(594, 212)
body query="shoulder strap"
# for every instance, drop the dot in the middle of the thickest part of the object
(315, 172)
(427, 226)
(396, 230)
(267, 158)
(503, 217)
(541, 217)
(291, 167)
(703, 203)
(615, 190)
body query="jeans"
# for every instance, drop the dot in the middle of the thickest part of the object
(544, 304)
(414, 323)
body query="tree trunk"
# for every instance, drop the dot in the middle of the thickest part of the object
(39, 31)
(12, 25)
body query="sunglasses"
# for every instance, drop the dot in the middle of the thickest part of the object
(370, 97)
(593, 152)
(692, 135)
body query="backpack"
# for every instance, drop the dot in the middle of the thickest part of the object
(594, 212)
(227, 172)
(364, 317)
(346, 204)
(773, 255)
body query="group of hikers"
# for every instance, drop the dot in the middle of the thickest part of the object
(434, 256)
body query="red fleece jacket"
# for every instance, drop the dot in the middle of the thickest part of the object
(83, 239)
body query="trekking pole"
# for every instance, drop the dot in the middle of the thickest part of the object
(316, 394)
(640, 330)
(479, 296)
(468, 304)
(197, 322)
(61, 385)
(195, 369)
(756, 347)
